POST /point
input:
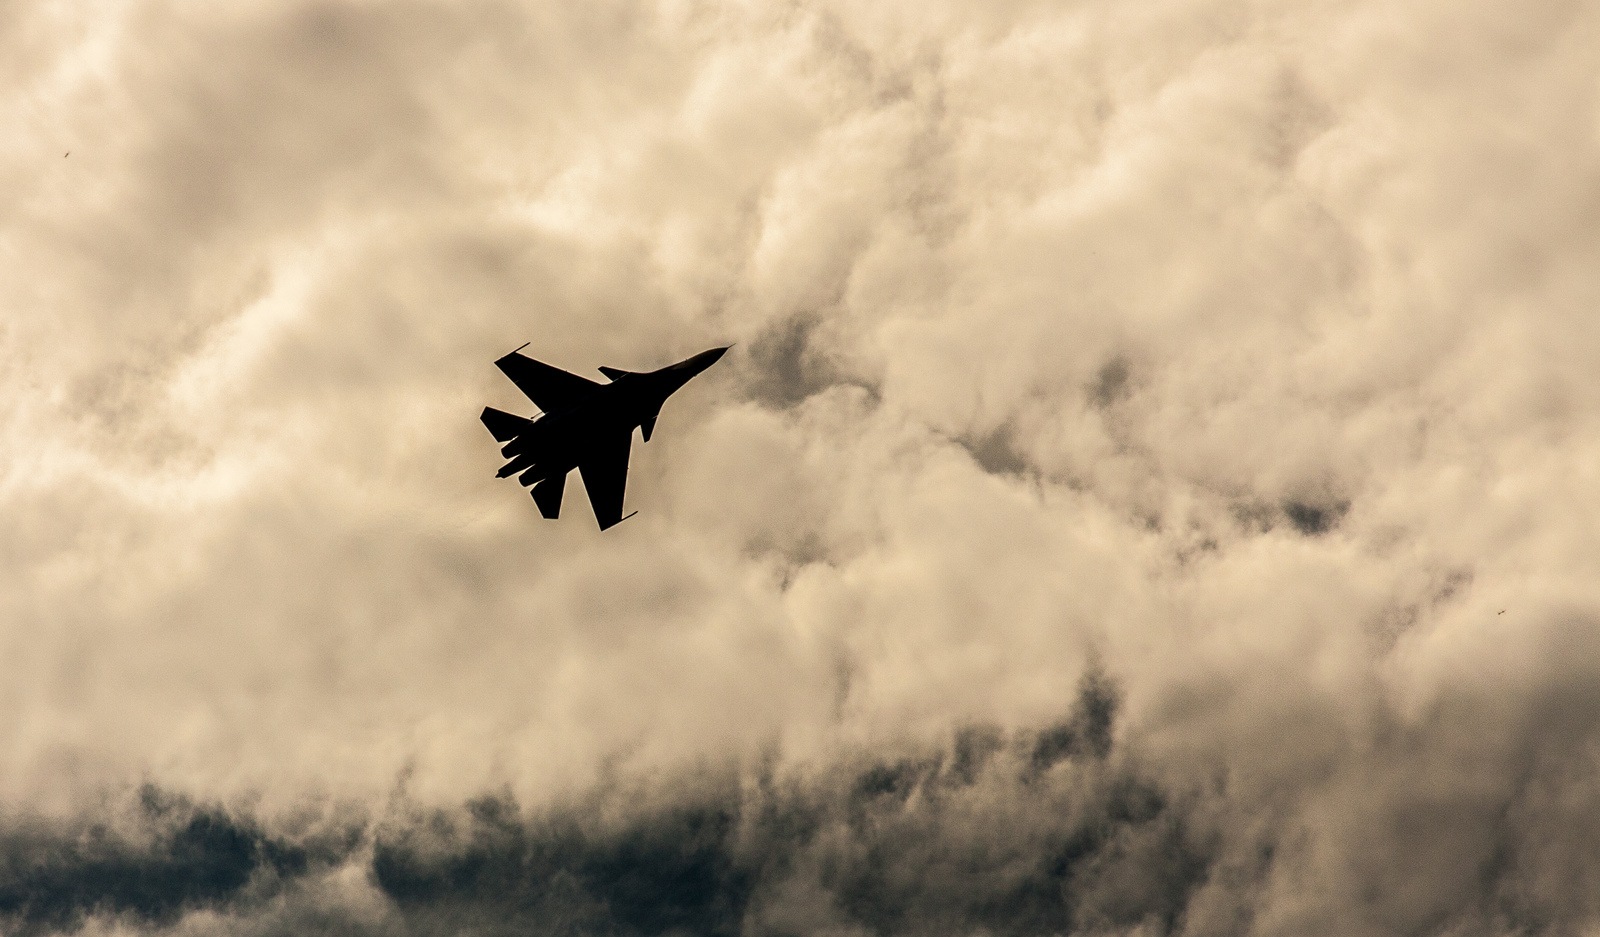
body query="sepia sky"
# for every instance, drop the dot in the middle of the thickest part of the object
(1155, 488)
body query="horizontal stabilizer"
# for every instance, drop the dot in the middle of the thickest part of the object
(547, 495)
(614, 373)
(504, 425)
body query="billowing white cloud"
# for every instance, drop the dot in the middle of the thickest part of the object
(1242, 351)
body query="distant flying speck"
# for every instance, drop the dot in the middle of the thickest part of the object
(66, 154)
(586, 426)
(1501, 612)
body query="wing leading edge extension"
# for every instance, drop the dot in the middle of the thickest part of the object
(605, 475)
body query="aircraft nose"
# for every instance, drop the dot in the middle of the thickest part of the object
(706, 359)
(696, 363)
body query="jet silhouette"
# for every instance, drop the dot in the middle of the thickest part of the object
(585, 425)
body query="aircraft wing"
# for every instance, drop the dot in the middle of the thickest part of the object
(549, 388)
(605, 474)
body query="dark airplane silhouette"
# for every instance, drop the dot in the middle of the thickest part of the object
(586, 426)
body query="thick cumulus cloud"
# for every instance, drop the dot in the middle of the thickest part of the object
(1154, 489)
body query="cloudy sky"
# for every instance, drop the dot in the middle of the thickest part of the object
(1155, 489)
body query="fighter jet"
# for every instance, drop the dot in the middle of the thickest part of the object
(585, 425)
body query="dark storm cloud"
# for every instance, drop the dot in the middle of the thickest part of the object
(1031, 833)
(669, 870)
(1038, 833)
(153, 863)
(1471, 818)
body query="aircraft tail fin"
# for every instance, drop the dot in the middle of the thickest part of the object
(614, 373)
(503, 425)
(547, 495)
